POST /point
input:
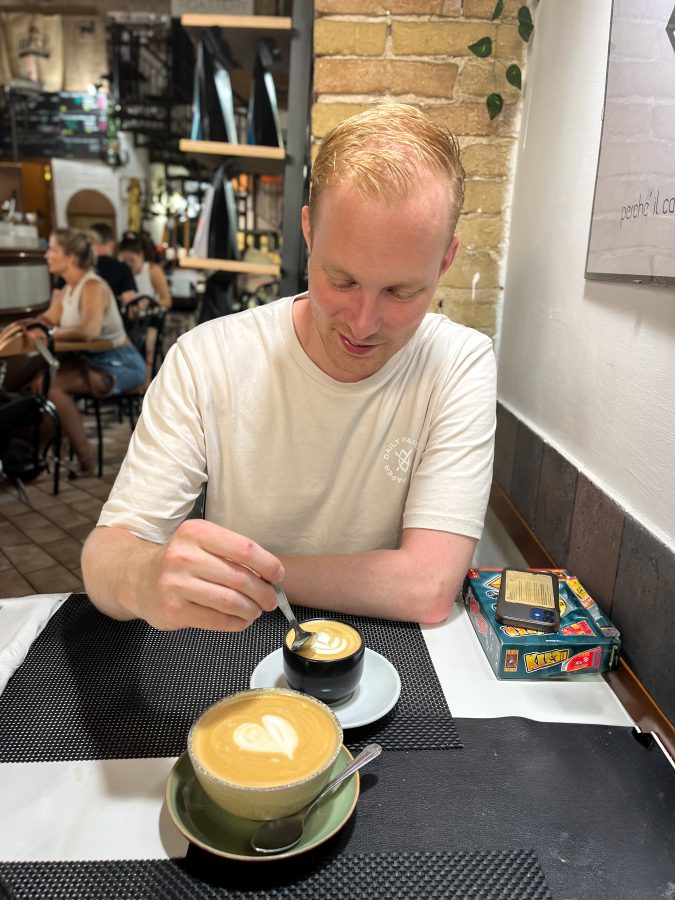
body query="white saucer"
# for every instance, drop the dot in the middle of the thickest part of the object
(376, 694)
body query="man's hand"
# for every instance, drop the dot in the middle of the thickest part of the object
(204, 577)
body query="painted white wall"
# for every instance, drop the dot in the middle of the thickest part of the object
(73, 175)
(589, 366)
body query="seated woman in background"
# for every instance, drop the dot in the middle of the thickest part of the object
(135, 250)
(85, 310)
(150, 279)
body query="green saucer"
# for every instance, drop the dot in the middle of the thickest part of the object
(211, 828)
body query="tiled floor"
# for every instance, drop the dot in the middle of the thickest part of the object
(40, 543)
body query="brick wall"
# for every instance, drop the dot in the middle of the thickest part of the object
(416, 51)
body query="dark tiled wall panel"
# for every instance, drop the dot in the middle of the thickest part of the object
(525, 472)
(622, 565)
(595, 538)
(643, 608)
(505, 447)
(555, 503)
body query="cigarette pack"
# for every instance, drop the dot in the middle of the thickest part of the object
(587, 641)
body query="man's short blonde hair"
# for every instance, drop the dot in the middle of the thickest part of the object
(384, 152)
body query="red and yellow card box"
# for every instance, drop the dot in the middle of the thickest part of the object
(586, 643)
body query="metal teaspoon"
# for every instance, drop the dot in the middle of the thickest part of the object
(301, 636)
(283, 833)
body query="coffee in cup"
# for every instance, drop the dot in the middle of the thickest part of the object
(330, 666)
(264, 753)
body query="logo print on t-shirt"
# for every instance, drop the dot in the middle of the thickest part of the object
(398, 458)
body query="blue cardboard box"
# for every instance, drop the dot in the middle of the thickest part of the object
(586, 642)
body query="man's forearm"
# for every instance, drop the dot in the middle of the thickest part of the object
(359, 583)
(123, 576)
(113, 565)
(418, 582)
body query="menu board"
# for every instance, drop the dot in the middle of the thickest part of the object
(632, 236)
(67, 125)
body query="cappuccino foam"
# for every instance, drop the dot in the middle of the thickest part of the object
(333, 640)
(265, 739)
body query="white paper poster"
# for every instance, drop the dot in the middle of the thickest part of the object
(632, 236)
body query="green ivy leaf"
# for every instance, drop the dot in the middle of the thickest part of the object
(482, 48)
(514, 77)
(499, 9)
(525, 24)
(494, 105)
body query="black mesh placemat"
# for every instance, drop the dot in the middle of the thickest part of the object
(409, 876)
(94, 688)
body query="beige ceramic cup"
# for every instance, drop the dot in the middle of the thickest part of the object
(264, 753)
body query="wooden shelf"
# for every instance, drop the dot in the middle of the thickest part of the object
(293, 35)
(223, 149)
(230, 265)
(259, 23)
(255, 159)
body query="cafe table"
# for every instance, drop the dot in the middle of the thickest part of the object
(21, 353)
(21, 344)
(484, 789)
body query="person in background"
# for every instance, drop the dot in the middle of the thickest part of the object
(150, 279)
(151, 282)
(344, 435)
(117, 273)
(85, 310)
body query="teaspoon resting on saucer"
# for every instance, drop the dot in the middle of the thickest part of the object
(281, 834)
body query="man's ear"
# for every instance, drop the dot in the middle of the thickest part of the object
(307, 227)
(449, 256)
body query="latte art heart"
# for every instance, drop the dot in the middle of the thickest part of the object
(326, 644)
(265, 738)
(274, 735)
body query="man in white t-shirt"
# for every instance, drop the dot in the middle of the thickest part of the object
(345, 435)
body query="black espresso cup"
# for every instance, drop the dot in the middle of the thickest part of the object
(331, 665)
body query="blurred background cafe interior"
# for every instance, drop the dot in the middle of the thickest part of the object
(170, 128)
(188, 125)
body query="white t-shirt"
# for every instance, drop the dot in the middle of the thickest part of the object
(302, 463)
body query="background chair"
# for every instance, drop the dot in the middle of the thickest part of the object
(144, 323)
(23, 412)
